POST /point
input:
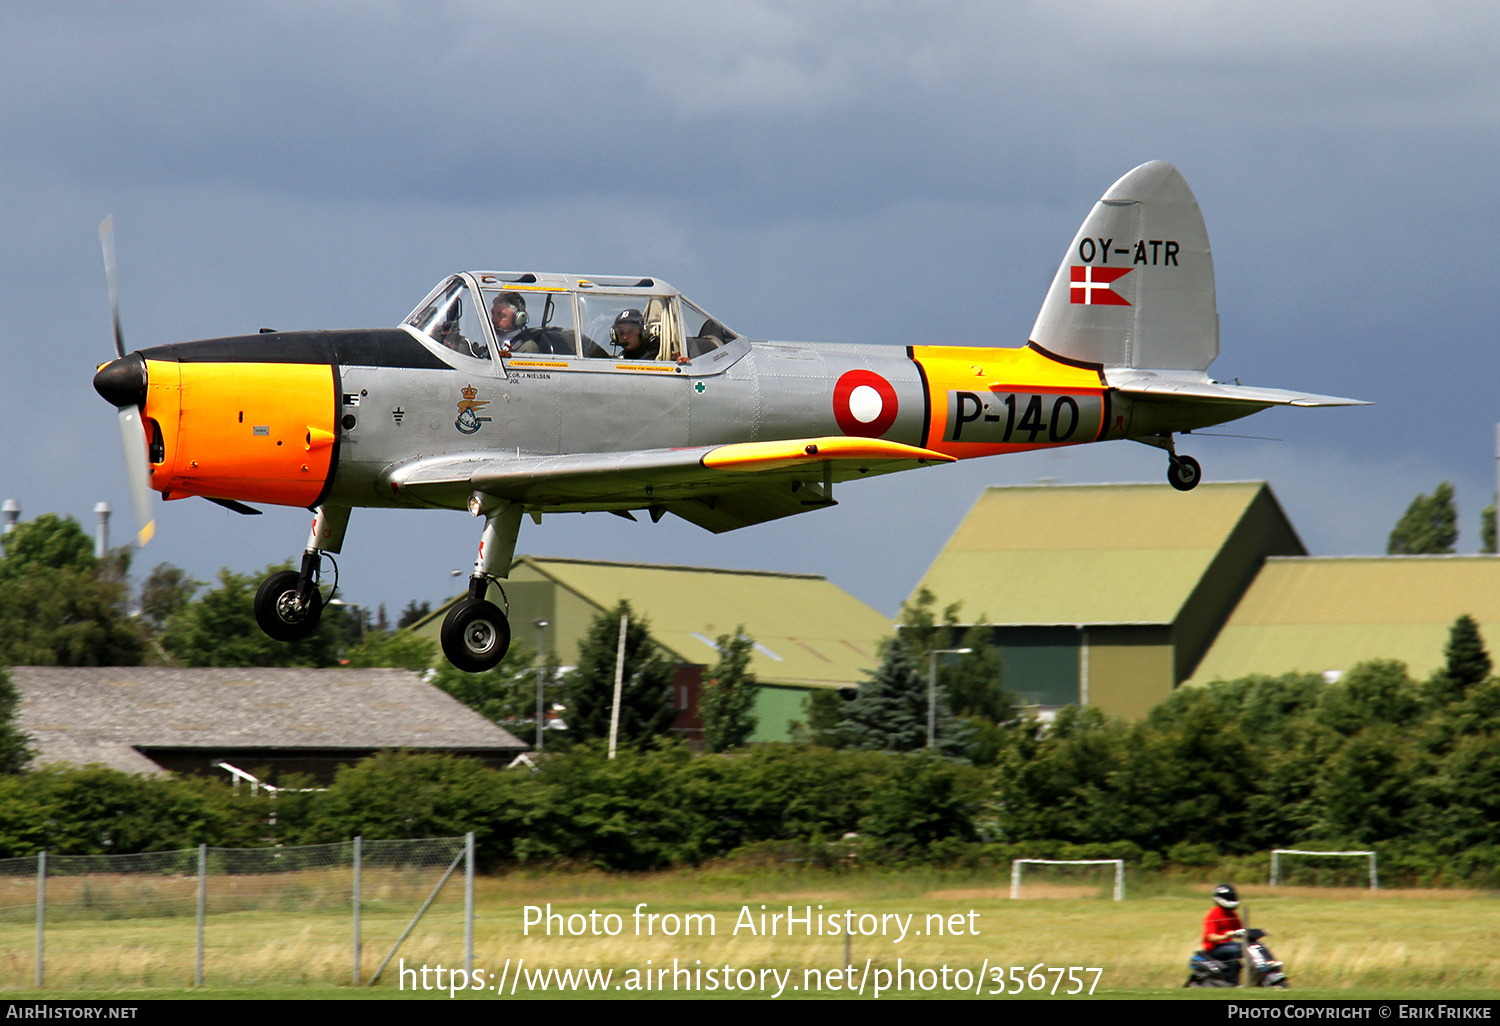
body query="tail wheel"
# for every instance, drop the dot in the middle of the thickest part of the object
(276, 608)
(1183, 473)
(475, 635)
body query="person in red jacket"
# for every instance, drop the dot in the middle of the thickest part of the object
(1222, 930)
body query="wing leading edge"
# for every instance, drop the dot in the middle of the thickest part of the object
(717, 487)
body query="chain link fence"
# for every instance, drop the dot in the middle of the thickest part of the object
(312, 914)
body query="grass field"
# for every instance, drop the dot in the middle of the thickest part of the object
(1336, 943)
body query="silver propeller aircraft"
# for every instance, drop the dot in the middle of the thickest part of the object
(508, 394)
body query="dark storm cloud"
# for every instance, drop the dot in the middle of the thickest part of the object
(744, 110)
(835, 171)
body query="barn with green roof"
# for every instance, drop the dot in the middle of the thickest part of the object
(1107, 595)
(809, 634)
(1323, 615)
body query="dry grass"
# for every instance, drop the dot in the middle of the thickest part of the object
(1420, 942)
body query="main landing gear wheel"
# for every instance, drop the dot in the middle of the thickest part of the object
(1183, 473)
(475, 635)
(276, 608)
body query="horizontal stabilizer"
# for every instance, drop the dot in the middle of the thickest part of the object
(1200, 389)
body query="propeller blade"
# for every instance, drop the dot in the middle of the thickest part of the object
(107, 241)
(138, 472)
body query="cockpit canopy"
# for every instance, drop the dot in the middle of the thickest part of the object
(483, 314)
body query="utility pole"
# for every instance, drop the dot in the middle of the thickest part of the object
(541, 709)
(614, 714)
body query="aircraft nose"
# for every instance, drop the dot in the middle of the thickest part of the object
(122, 382)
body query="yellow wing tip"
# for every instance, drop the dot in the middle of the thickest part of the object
(145, 534)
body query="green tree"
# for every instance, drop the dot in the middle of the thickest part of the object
(1428, 527)
(394, 795)
(969, 681)
(59, 605)
(889, 712)
(399, 649)
(646, 705)
(1371, 788)
(98, 811)
(1467, 792)
(164, 592)
(1466, 662)
(923, 800)
(1057, 781)
(970, 701)
(1487, 529)
(822, 710)
(413, 612)
(219, 629)
(49, 542)
(505, 694)
(728, 695)
(1375, 692)
(15, 751)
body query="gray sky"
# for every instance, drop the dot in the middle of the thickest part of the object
(832, 172)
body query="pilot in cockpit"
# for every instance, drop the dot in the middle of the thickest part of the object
(508, 315)
(629, 333)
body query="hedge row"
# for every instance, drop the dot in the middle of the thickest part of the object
(776, 805)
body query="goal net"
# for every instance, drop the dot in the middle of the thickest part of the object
(1323, 868)
(1068, 878)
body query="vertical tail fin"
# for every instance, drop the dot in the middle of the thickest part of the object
(1136, 288)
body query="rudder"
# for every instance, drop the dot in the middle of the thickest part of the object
(1136, 288)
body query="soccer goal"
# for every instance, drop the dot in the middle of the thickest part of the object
(1277, 853)
(1017, 864)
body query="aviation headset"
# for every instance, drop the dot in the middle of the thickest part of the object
(516, 302)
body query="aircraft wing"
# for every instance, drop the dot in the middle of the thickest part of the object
(1198, 387)
(717, 487)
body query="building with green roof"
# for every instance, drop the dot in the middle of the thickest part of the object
(809, 634)
(1107, 595)
(1323, 615)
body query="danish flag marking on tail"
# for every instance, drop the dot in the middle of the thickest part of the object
(1089, 285)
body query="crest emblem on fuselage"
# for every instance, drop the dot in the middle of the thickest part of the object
(469, 420)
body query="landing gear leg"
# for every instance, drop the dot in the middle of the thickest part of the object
(476, 633)
(1183, 472)
(288, 605)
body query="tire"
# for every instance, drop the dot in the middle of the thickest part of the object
(475, 635)
(275, 608)
(1183, 473)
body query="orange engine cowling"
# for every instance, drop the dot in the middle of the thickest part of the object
(253, 431)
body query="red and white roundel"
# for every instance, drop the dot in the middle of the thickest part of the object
(864, 404)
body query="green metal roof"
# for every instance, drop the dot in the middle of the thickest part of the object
(808, 631)
(1086, 554)
(1314, 615)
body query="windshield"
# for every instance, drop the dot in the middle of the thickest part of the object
(451, 319)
